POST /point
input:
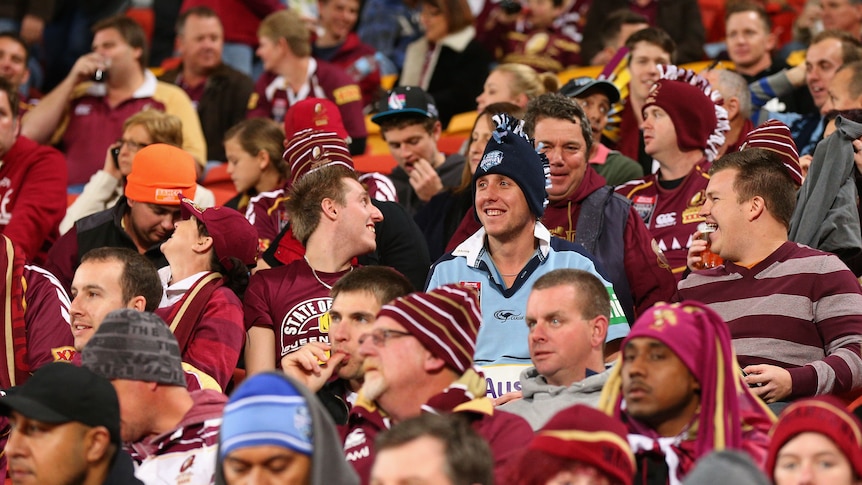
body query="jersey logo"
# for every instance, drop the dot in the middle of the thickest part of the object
(507, 315)
(476, 285)
(63, 353)
(301, 324)
(347, 94)
(491, 160)
(644, 206)
(665, 220)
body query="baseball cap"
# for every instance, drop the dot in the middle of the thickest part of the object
(61, 393)
(233, 235)
(580, 85)
(406, 99)
(314, 114)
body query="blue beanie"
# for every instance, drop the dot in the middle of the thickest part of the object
(266, 410)
(510, 153)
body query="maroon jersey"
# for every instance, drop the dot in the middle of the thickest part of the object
(289, 300)
(671, 215)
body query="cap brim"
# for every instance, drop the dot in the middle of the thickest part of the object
(605, 87)
(188, 208)
(31, 408)
(385, 114)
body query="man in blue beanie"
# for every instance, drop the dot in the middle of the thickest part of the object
(513, 248)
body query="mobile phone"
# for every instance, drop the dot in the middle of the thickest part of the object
(115, 154)
(745, 374)
(511, 7)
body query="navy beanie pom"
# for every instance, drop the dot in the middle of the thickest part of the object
(510, 153)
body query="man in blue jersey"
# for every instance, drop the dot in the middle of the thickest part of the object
(510, 252)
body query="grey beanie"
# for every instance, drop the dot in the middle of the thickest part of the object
(137, 346)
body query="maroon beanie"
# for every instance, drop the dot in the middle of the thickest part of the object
(775, 137)
(825, 415)
(590, 436)
(445, 320)
(694, 108)
(309, 150)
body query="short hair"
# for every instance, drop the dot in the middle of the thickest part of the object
(746, 6)
(849, 114)
(761, 173)
(733, 85)
(613, 24)
(400, 121)
(162, 127)
(594, 297)
(308, 192)
(14, 36)
(287, 25)
(525, 80)
(258, 134)
(130, 31)
(851, 48)
(139, 277)
(11, 91)
(199, 11)
(557, 106)
(492, 109)
(654, 36)
(468, 458)
(383, 282)
(457, 13)
(235, 278)
(854, 87)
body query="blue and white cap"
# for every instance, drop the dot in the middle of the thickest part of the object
(406, 100)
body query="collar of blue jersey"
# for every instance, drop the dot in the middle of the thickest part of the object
(474, 246)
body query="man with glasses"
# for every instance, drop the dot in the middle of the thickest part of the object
(418, 357)
(141, 220)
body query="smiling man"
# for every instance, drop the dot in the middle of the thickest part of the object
(678, 390)
(794, 312)
(510, 252)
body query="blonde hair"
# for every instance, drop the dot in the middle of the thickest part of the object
(287, 25)
(162, 127)
(526, 80)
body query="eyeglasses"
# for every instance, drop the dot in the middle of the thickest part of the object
(133, 145)
(381, 335)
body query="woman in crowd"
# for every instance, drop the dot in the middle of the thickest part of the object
(440, 217)
(254, 159)
(516, 84)
(209, 256)
(816, 441)
(448, 62)
(106, 186)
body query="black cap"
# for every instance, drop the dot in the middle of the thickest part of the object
(406, 99)
(61, 393)
(580, 85)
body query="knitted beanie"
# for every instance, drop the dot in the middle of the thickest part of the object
(825, 415)
(775, 137)
(510, 153)
(159, 173)
(309, 150)
(445, 320)
(694, 108)
(590, 436)
(137, 346)
(266, 410)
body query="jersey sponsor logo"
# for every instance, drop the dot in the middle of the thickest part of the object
(491, 160)
(63, 353)
(347, 94)
(665, 220)
(644, 206)
(301, 324)
(507, 315)
(357, 455)
(617, 314)
(354, 439)
(83, 109)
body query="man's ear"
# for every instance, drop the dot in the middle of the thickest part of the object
(138, 303)
(437, 131)
(598, 331)
(97, 444)
(203, 245)
(756, 207)
(329, 208)
(433, 363)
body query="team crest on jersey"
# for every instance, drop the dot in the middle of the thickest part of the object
(491, 160)
(63, 353)
(301, 324)
(476, 285)
(644, 205)
(190, 461)
(692, 213)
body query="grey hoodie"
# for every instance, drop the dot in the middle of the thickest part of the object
(542, 401)
(328, 466)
